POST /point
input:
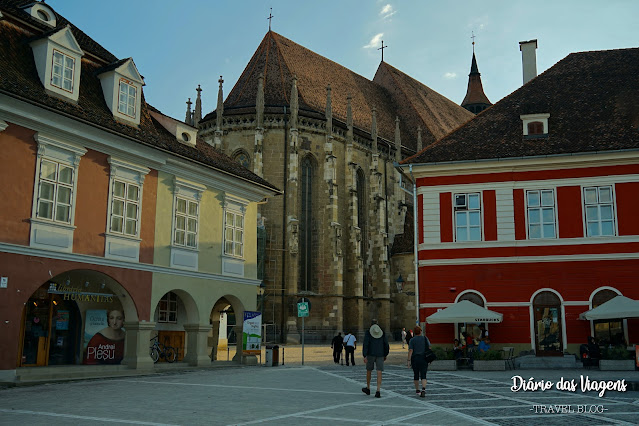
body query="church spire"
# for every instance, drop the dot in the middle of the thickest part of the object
(475, 100)
(220, 105)
(189, 115)
(197, 115)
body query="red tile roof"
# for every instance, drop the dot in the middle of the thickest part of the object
(391, 92)
(592, 99)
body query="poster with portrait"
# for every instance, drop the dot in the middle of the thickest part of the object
(104, 336)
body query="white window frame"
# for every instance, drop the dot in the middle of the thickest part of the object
(63, 67)
(529, 118)
(126, 203)
(50, 233)
(599, 204)
(543, 205)
(187, 218)
(127, 101)
(118, 244)
(234, 229)
(164, 315)
(233, 264)
(182, 255)
(465, 208)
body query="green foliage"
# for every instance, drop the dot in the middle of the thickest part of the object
(490, 355)
(617, 352)
(442, 353)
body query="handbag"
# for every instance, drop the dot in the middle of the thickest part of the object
(429, 356)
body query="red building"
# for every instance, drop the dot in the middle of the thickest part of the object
(529, 209)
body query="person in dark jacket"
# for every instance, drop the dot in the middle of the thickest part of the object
(416, 350)
(338, 345)
(375, 351)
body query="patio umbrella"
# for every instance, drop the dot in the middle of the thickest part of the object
(464, 311)
(617, 307)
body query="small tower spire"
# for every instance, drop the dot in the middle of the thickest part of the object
(259, 102)
(187, 117)
(197, 116)
(374, 130)
(294, 102)
(329, 112)
(475, 100)
(398, 141)
(349, 118)
(220, 105)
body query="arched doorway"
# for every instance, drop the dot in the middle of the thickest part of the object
(608, 332)
(75, 318)
(547, 322)
(174, 309)
(471, 329)
(225, 336)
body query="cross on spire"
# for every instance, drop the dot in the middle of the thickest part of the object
(270, 16)
(382, 49)
(473, 37)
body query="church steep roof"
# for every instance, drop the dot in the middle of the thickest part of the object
(279, 58)
(593, 102)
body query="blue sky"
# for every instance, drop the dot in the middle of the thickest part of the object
(180, 44)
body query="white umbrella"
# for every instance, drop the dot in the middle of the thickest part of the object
(464, 311)
(617, 307)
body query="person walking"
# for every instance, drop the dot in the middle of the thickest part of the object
(375, 351)
(350, 345)
(403, 337)
(416, 349)
(338, 346)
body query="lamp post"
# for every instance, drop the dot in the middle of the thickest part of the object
(260, 290)
(400, 283)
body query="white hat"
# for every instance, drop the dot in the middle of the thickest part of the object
(375, 331)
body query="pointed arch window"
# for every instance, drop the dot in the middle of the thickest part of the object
(306, 226)
(243, 158)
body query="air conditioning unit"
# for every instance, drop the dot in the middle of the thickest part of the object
(460, 200)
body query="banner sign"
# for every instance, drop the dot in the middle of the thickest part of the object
(104, 336)
(252, 333)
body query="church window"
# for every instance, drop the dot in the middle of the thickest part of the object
(306, 226)
(243, 158)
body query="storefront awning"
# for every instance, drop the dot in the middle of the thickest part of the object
(464, 311)
(617, 307)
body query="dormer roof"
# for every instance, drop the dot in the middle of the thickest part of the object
(125, 67)
(590, 97)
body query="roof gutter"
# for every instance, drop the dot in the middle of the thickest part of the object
(113, 132)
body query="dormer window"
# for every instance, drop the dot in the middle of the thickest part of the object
(41, 12)
(126, 103)
(535, 125)
(58, 61)
(62, 73)
(122, 89)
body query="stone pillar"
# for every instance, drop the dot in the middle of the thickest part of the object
(196, 344)
(213, 339)
(137, 343)
(239, 357)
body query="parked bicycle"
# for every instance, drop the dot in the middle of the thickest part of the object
(158, 350)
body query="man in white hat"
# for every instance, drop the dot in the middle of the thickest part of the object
(375, 351)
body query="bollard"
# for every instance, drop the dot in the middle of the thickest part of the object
(282, 355)
(228, 353)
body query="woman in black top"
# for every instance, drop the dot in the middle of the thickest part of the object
(416, 349)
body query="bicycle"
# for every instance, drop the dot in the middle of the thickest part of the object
(158, 350)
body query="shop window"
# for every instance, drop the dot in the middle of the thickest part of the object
(608, 332)
(168, 308)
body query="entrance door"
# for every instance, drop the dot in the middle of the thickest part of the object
(36, 331)
(548, 330)
(64, 336)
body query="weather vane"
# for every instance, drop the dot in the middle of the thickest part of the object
(382, 49)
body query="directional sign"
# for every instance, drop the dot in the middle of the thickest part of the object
(302, 309)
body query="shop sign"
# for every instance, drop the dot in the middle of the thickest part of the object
(77, 295)
(252, 333)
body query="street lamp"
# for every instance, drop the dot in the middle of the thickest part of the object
(400, 283)
(260, 291)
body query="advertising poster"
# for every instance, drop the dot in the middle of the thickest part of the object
(104, 336)
(62, 320)
(252, 334)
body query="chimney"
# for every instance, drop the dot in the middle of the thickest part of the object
(528, 59)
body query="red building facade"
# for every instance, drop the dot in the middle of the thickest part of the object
(529, 209)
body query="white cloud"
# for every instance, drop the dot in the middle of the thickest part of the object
(387, 11)
(450, 75)
(375, 41)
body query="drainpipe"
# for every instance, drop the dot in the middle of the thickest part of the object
(282, 308)
(415, 242)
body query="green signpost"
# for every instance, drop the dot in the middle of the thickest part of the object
(302, 311)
